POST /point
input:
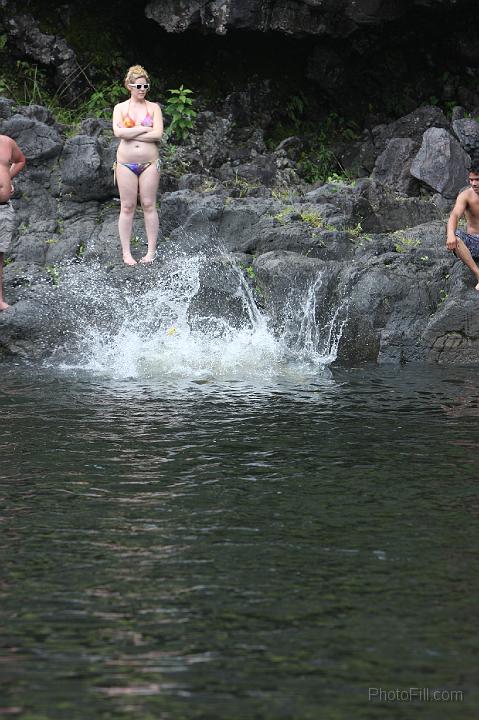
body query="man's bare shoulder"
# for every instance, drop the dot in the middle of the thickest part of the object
(470, 197)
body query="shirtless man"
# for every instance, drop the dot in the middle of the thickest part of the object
(465, 243)
(12, 161)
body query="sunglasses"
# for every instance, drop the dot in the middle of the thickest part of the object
(138, 86)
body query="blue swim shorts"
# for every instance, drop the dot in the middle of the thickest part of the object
(470, 241)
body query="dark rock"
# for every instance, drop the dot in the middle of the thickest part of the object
(249, 107)
(21, 330)
(37, 140)
(94, 127)
(219, 295)
(338, 18)
(389, 211)
(290, 147)
(328, 69)
(192, 181)
(393, 166)
(245, 176)
(6, 108)
(86, 168)
(37, 112)
(213, 141)
(362, 155)
(412, 126)
(458, 113)
(467, 132)
(452, 335)
(359, 341)
(441, 163)
(49, 50)
(301, 296)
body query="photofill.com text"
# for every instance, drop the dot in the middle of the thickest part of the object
(414, 694)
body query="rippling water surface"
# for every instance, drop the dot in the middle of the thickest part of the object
(243, 549)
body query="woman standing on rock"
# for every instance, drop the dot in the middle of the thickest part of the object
(139, 125)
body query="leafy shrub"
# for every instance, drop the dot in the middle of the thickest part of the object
(179, 108)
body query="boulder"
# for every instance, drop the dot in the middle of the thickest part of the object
(392, 167)
(86, 168)
(37, 140)
(467, 132)
(21, 329)
(29, 41)
(441, 163)
(452, 335)
(360, 158)
(412, 126)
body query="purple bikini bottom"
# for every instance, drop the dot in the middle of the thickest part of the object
(137, 168)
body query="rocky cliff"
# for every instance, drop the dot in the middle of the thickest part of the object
(376, 243)
(369, 239)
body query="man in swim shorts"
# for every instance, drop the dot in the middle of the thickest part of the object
(465, 243)
(12, 160)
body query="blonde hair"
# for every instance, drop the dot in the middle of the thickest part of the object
(135, 72)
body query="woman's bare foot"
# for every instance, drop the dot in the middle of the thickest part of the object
(147, 259)
(4, 305)
(477, 286)
(129, 260)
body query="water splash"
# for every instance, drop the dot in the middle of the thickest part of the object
(193, 316)
(306, 338)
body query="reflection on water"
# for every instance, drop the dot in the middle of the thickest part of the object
(240, 549)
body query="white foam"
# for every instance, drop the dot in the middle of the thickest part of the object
(134, 330)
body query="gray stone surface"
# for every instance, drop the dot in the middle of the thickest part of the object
(37, 140)
(393, 166)
(373, 256)
(337, 18)
(467, 132)
(26, 37)
(86, 168)
(441, 163)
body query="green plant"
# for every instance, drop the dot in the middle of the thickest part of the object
(343, 178)
(312, 217)
(179, 108)
(284, 214)
(318, 164)
(102, 99)
(209, 185)
(174, 163)
(31, 81)
(283, 194)
(241, 185)
(295, 108)
(405, 243)
(355, 231)
(52, 270)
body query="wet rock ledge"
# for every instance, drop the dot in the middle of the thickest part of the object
(376, 243)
